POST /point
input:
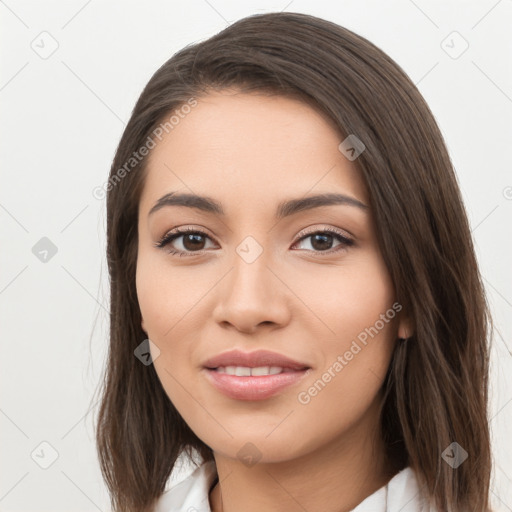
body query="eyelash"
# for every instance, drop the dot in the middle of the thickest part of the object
(170, 237)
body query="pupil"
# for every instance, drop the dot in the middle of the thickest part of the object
(325, 242)
(194, 238)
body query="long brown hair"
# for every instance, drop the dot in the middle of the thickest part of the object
(436, 386)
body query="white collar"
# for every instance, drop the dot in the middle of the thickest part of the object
(191, 494)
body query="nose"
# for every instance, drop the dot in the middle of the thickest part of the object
(252, 295)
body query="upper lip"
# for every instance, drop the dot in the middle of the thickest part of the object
(253, 360)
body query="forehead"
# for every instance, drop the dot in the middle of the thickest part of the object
(251, 149)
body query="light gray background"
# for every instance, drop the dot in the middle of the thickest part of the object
(62, 117)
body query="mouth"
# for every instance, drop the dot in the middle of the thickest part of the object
(253, 386)
(247, 371)
(253, 376)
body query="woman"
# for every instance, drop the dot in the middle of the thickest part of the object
(295, 299)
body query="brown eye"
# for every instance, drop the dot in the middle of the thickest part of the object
(192, 240)
(322, 241)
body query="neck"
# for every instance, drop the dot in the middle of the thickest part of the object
(335, 478)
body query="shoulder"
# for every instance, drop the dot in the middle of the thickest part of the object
(191, 494)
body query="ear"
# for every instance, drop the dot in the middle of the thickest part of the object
(406, 325)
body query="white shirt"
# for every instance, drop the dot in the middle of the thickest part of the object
(401, 494)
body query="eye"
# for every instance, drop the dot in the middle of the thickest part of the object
(193, 241)
(322, 240)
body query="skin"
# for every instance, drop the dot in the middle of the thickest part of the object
(250, 152)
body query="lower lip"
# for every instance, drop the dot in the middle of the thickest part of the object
(253, 388)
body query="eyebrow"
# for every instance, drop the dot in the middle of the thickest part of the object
(284, 209)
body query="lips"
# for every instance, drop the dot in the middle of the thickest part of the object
(253, 375)
(259, 358)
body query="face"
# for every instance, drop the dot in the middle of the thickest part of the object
(259, 266)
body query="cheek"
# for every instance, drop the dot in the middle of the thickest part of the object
(158, 295)
(164, 294)
(167, 299)
(350, 298)
(356, 302)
